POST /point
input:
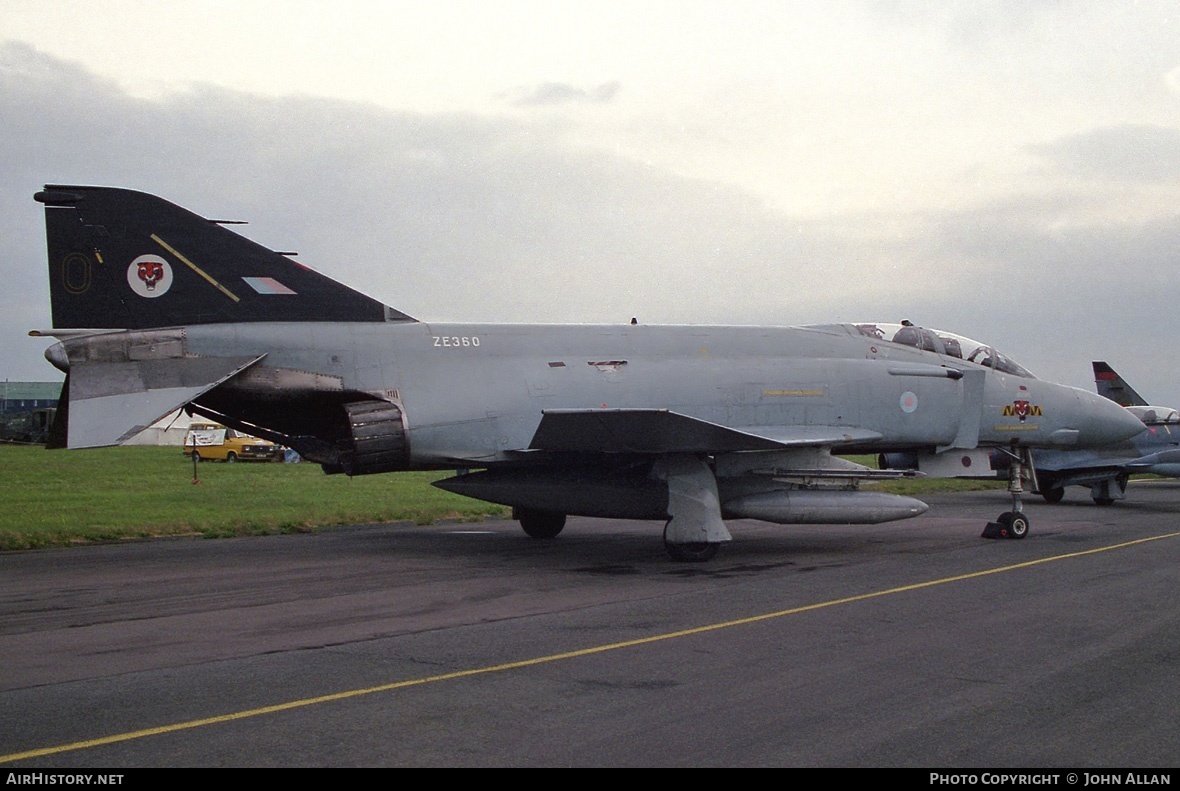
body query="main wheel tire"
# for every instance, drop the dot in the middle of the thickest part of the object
(541, 524)
(1103, 501)
(692, 553)
(1053, 494)
(231, 457)
(197, 457)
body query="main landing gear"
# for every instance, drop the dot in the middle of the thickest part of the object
(1053, 494)
(539, 524)
(1014, 523)
(1106, 492)
(694, 532)
(691, 552)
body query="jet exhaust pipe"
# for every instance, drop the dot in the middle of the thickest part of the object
(377, 441)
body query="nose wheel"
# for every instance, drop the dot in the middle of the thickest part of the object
(1014, 523)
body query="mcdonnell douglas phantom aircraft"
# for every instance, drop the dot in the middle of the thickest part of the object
(157, 308)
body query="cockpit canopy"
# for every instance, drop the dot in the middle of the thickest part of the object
(1155, 415)
(947, 343)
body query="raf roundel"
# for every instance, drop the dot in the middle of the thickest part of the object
(909, 402)
(149, 276)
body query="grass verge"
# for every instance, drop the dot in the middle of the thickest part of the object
(58, 498)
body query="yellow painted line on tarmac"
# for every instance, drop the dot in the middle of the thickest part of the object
(601, 649)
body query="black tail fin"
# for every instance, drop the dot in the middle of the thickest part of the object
(1111, 385)
(121, 259)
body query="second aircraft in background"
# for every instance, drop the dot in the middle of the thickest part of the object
(1105, 470)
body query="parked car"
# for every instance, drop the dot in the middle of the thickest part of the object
(210, 441)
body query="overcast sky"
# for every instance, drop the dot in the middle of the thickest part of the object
(1008, 171)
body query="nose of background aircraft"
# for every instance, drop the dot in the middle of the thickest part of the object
(1106, 421)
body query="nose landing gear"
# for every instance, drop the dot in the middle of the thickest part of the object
(1014, 523)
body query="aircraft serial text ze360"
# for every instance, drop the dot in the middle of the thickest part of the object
(157, 308)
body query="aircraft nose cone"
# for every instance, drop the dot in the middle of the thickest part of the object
(1108, 422)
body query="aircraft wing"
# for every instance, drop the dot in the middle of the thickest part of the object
(108, 403)
(663, 431)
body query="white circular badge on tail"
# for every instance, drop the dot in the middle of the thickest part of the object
(149, 276)
(909, 402)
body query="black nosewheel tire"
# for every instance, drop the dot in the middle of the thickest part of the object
(1013, 524)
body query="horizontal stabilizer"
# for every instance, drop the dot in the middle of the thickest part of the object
(664, 431)
(111, 402)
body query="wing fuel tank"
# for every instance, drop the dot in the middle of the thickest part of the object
(823, 507)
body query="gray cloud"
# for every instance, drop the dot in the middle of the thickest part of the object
(1129, 152)
(548, 94)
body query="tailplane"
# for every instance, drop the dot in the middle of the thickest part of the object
(121, 259)
(1111, 385)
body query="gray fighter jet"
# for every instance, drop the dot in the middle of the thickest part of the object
(157, 308)
(1155, 449)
